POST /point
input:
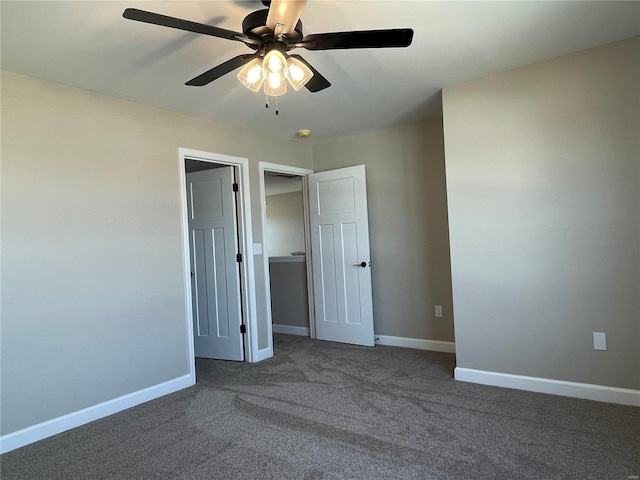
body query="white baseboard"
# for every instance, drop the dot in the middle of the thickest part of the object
(417, 343)
(31, 434)
(291, 330)
(599, 393)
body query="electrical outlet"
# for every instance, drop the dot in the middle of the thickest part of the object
(599, 341)
(438, 310)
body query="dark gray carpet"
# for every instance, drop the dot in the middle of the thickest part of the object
(320, 410)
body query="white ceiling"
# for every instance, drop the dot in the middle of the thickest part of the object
(89, 45)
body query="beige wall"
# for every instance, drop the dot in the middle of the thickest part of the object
(93, 301)
(285, 224)
(543, 181)
(407, 224)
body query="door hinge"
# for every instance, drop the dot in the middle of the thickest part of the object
(239, 258)
(243, 328)
(235, 187)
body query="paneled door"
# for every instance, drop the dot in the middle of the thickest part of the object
(340, 252)
(215, 273)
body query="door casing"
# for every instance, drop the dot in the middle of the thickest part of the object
(247, 283)
(302, 173)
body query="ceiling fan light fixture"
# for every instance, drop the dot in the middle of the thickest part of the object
(298, 73)
(271, 33)
(252, 75)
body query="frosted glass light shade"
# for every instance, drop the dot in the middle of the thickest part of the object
(274, 61)
(275, 84)
(298, 73)
(252, 75)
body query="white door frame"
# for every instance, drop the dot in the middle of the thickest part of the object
(302, 173)
(247, 283)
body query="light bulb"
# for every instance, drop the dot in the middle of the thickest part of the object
(276, 84)
(296, 73)
(274, 80)
(274, 61)
(254, 74)
(275, 64)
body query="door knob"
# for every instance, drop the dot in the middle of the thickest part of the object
(361, 264)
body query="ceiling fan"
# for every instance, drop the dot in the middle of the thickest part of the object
(271, 33)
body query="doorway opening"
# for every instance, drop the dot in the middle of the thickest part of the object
(218, 272)
(286, 250)
(337, 254)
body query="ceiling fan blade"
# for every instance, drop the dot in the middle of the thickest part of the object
(180, 24)
(317, 82)
(222, 69)
(286, 13)
(398, 37)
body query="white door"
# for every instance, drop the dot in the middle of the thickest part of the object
(215, 274)
(340, 252)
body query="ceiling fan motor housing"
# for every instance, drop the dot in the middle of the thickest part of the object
(255, 24)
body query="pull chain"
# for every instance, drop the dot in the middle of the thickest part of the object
(266, 103)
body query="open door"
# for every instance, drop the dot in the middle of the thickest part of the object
(341, 258)
(215, 273)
